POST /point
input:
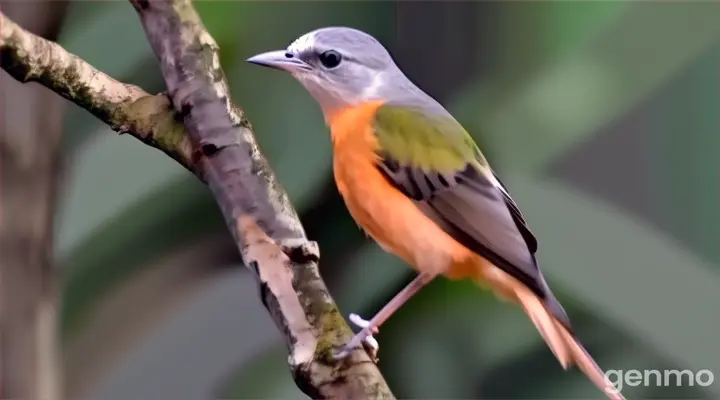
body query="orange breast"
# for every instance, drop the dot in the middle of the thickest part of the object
(387, 215)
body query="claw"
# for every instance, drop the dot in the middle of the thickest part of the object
(372, 347)
(370, 344)
(363, 323)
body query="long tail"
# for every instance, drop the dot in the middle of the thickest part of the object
(562, 342)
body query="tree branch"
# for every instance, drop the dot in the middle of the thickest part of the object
(226, 156)
(124, 108)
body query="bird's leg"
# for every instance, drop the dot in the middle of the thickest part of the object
(388, 310)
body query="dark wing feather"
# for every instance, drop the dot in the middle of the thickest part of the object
(517, 216)
(467, 205)
(414, 182)
(483, 219)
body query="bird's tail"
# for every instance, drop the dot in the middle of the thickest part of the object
(562, 342)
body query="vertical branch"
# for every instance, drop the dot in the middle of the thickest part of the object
(30, 129)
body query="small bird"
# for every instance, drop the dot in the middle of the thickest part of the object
(417, 184)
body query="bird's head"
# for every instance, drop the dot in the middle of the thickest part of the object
(339, 66)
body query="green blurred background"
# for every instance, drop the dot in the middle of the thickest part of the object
(601, 117)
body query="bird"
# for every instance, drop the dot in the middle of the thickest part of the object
(417, 183)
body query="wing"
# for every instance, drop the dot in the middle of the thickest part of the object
(434, 161)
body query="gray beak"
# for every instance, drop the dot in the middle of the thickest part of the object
(281, 60)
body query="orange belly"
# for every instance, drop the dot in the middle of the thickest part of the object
(387, 215)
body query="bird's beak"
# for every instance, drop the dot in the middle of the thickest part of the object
(281, 60)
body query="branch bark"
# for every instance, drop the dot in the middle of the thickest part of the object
(29, 348)
(216, 142)
(124, 108)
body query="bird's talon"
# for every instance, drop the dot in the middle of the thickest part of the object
(369, 343)
(372, 347)
(362, 323)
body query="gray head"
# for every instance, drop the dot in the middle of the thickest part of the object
(340, 67)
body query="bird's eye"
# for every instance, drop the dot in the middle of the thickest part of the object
(330, 59)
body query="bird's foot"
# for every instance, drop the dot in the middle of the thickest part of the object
(364, 337)
(370, 344)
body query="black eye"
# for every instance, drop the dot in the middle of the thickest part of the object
(330, 59)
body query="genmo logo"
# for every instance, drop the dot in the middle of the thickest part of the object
(617, 378)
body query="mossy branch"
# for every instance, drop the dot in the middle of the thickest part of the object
(215, 141)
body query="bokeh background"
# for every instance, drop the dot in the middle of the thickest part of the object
(601, 117)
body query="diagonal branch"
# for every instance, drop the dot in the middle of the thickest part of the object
(257, 210)
(124, 108)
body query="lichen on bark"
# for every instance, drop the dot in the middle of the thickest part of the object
(322, 313)
(154, 116)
